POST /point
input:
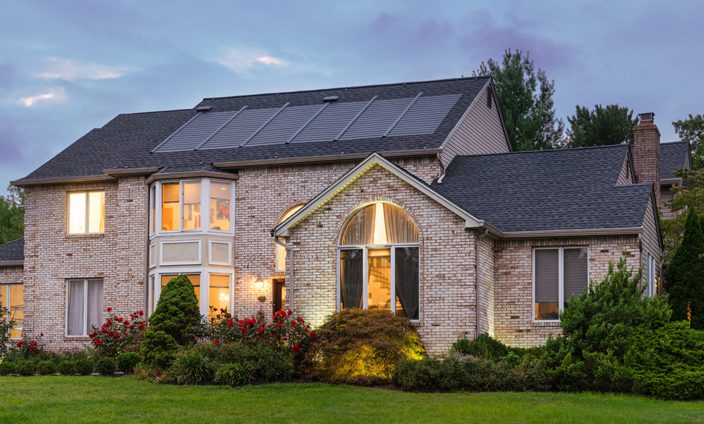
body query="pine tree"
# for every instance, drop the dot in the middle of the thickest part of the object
(177, 313)
(605, 125)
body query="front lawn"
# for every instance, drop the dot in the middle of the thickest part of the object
(115, 400)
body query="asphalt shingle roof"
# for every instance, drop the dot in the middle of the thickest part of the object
(673, 156)
(128, 140)
(569, 189)
(12, 251)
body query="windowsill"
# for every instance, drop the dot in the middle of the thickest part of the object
(86, 236)
(77, 338)
(547, 323)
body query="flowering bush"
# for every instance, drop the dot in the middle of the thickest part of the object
(118, 334)
(29, 348)
(5, 327)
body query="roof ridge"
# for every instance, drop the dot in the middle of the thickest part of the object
(674, 142)
(155, 111)
(548, 150)
(13, 241)
(346, 87)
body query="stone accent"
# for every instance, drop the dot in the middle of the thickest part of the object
(513, 290)
(646, 154)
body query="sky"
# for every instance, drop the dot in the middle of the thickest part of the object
(69, 66)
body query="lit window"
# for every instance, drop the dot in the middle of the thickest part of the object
(220, 206)
(374, 238)
(84, 306)
(169, 206)
(194, 279)
(12, 303)
(558, 274)
(152, 209)
(191, 205)
(280, 250)
(86, 212)
(219, 293)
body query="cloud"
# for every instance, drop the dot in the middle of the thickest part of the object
(241, 59)
(71, 70)
(53, 95)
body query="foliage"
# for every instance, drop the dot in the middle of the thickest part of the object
(7, 367)
(692, 131)
(265, 362)
(66, 366)
(118, 334)
(177, 313)
(158, 348)
(5, 327)
(84, 366)
(127, 361)
(688, 196)
(12, 215)
(105, 366)
(605, 125)
(46, 367)
(525, 98)
(26, 367)
(482, 347)
(233, 375)
(362, 347)
(29, 348)
(684, 276)
(193, 368)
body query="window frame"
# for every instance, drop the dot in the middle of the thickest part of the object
(8, 308)
(560, 279)
(87, 212)
(85, 281)
(154, 292)
(650, 281)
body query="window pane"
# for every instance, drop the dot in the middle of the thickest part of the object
(546, 284)
(152, 207)
(280, 250)
(194, 279)
(575, 266)
(400, 228)
(76, 324)
(3, 297)
(220, 206)
(360, 228)
(169, 206)
(152, 303)
(77, 213)
(96, 212)
(16, 304)
(379, 279)
(191, 205)
(95, 304)
(219, 293)
(407, 282)
(351, 278)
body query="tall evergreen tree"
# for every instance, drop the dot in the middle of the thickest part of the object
(612, 124)
(684, 277)
(11, 215)
(692, 130)
(526, 101)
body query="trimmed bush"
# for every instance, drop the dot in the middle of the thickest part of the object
(7, 367)
(46, 368)
(25, 367)
(482, 347)
(127, 361)
(177, 313)
(265, 363)
(158, 348)
(66, 367)
(105, 366)
(233, 375)
(362, 347)
(193, 368)
(84, 366)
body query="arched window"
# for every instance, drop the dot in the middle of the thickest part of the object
(379, 264)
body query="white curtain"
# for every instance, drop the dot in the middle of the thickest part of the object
(360, 229)
(75, 308)
(399, 226)
(95, 304)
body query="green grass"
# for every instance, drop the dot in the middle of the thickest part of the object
(115, 400)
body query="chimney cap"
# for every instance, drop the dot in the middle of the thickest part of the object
(646, 117)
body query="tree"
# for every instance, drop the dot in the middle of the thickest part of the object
(177, 313)
(688, 196)
(526, 101)
(684, 276)
(11, 215)
(602, 126)
(692, 130)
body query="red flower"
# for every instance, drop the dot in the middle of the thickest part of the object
(97, 342)
(216, 342)
(301, 320)
(141, 312)
(127, 323)
(229, 323)
(241, 322)
(296, 348)
(289, 312)
(261, 330)
(244, 329)
(313, 335)
(278, 324)
(20, 343)
(109, 309)
(293, 323)
(118, 319)
(41, 334)
(141, 326)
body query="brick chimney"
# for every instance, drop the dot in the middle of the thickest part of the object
(646, 151)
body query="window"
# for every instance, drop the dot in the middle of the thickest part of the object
(191, 205)
(86, 212)
(84, 306)
(379, 261)
(152, 209)
(651, 275)
(280, 250)
(558, 274)
(220, 206)
(219, 292)
(169, 207)
(12, 302)
(194, 278)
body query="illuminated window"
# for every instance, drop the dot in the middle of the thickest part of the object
(280, 250)
(84, 305)
(558, 274)
(383, 240)
(86, 212)
(220, 206)
(152, 209)
(191, 205)
(12, 303)
(169, 206)
(194, 279)
(219, 293)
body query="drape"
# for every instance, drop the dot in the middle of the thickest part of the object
(75, 308)
(351, 281)
(399, 227)
(575, 269)
(95, 304)
(360, 229)
(407, 281)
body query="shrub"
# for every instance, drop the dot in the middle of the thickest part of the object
(265, 363)
(26, 367)
(158, 348)
(7, 367)
(84, 366)
(362, 347)
(193, 368)
(177, 313)
(105, 366)
(66, 366)
(46, 368)
(233, 375)
(5, 327)
(29, 348)
(118, 334)
(127, 361)
(482, 347)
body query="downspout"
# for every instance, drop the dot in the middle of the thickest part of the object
(476, 285)
(145, 299)
(289, 265)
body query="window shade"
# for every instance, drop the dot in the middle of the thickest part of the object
(546, 276)
(575, 272)
(75, 308)
(407, 281)
(351, 278)
(95, 304)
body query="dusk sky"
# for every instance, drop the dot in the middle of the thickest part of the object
(69, 66)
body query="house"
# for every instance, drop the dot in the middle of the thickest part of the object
(403, 197)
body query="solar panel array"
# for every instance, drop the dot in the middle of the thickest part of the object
(311, 123)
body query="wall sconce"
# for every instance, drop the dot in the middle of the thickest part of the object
(259, 286)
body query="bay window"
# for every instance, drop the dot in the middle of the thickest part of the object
(192, 205)
(170, 206)
(12, 303)
(86, 212)
(220, 206)
(84, 306)
(558, 274)
(219, 293)
(212, 289)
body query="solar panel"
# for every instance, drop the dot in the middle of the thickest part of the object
(191, 135)
(425, 116)
(327, 125)
(240, 129)
(281, 128)
(376, 119)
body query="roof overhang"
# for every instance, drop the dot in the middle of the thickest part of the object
(130, 172)
(191, 174)
(670, 181)
(571, 233)
(11, 263)
(322, 158)
(373, 160)
(27, 182)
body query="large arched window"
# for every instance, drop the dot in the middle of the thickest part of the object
(379, 266)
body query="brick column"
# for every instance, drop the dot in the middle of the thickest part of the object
(646, 152)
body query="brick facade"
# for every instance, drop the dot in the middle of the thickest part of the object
(646, 154)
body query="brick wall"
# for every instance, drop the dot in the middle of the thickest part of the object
(513, 290)
(646, 154)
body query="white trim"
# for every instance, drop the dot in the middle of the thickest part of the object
(560, 279)
(152, 255)
(87, 211)
(8, 307)
(210, 252)
(651, 275)
(184, 241)
(204, 274)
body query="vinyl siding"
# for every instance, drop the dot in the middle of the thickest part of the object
(624, 176)
(651, 244)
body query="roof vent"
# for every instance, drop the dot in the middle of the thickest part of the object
(330, 99)
(203, 108)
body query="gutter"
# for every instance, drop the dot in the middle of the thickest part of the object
(664, 181)
(63, 180)
(191, 174)
(130, 172)
(571, 233)
(12, 263)
(323, 159)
